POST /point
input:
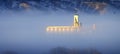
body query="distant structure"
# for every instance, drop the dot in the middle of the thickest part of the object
(94, 27)
(75, 27)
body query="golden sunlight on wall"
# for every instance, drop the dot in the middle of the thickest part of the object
(74, 27)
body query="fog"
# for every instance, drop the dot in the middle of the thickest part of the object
(24, 32)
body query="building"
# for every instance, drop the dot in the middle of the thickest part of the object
(75, 27)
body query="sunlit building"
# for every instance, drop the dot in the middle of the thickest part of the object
(75, 27)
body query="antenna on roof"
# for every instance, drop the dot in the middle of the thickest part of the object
(76, 10)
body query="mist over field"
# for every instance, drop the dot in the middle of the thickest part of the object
(24, 32)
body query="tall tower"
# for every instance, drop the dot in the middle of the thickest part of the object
(76, 20)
